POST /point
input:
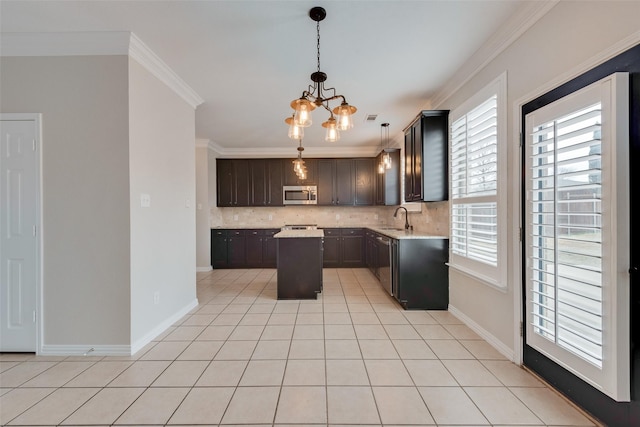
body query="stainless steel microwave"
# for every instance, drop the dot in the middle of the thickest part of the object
(300, 194)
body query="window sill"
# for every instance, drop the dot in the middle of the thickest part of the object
(485, 280)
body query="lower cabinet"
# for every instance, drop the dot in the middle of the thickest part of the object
(299, 267)
(253, 248)
(344, 248)
(371, 252)
(420, 277)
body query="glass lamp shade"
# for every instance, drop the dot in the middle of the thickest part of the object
(386, 160)
(345, 113)
(303, 109)
(381, 168)
(295, 132)
(332, 130)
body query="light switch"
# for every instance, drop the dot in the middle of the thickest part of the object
(199, 206)
(145, 200)
(187, 203)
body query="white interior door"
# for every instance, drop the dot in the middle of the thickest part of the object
(19, 236)
(577, 225)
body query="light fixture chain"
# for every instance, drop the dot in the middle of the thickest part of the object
(318, 31)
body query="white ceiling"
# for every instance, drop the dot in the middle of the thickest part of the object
(249, 59)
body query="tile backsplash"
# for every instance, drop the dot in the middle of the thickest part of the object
(433, 219)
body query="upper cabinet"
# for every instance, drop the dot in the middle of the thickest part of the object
(233, 182)
(345, 182)
(335, 182)
(258, 182)
(244, 182)
(364, 182)
(266, 182)
(425, 157)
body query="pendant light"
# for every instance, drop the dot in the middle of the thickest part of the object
(385, 160)
(298, 164)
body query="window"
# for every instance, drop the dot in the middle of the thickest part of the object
(476, 165)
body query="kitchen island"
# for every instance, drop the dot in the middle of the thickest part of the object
(299, 263)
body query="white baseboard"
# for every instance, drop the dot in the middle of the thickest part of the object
(486, 335)
(115, 350)
(146, 339)
(203, 269)
(85, 350)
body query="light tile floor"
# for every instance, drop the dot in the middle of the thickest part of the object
(352, 357)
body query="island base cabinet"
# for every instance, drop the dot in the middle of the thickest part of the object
(420, 276)
(299, 267)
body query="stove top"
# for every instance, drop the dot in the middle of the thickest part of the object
(300, 227)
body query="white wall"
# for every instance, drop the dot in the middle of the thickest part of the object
(85, 176)
(550, 52)
(203, 235)
(162, 165)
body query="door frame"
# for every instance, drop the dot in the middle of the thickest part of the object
(36, 118)
(620, 57)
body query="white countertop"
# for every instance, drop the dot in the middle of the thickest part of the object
(404, 234)
(299, 233)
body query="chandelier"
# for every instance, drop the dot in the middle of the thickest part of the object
(340, 117)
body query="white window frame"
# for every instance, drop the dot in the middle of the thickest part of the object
(493, 276)
(613, 378)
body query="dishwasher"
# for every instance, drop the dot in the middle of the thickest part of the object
(384, 263)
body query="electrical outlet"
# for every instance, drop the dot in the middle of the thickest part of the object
(145, 200)
(375, 217)
(270, 217)
(235, 217)
(156, 297)
(187, 203)
(337, 216)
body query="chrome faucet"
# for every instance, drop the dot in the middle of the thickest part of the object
(406, 216)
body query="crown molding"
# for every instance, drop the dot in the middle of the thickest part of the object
(97, 43)
(156, 66)
(280, 152)
(523, 19)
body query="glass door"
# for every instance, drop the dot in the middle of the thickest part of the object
(577, 234)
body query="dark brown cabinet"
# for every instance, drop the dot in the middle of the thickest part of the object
(265, 182)
(301, 279)
(425, 157)
(219, 249)
(420, 278)
(335, 182)
(364, 182)
(345, 182)
(387, 188)
(260, 248)
(232, 182)
(253, 248)
(344, 247)
(258, 182)
(236, 248)
(371, 252)
(255, 182)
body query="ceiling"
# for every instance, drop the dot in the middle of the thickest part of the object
(249, 59)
